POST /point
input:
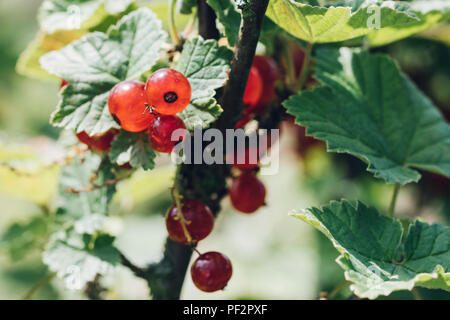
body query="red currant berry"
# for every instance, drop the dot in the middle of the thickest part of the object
(127, 105)
(254, 88)
(211, 271)
(160, 135)
(268, 70)
(247, 193)
(100, 143)
(199, 221)
(168, 91)
(63, 84)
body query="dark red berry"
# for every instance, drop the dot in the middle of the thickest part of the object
(127, 105)
(247, 193)
(268, 70)
(253, 90)
(168, 91)
(199, 221)
(100, 143)
(63, 84)
(211, 271)
(160, 133)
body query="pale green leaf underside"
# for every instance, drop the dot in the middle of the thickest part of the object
(78, 258)
(368, 108)
(134, 149)
(229, 17)
(373, 255)
(57, 15)
(430, 13)
(98, 61)
(77, 175)
(333, 24)
(205, 64)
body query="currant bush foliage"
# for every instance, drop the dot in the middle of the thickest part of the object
(333, 24)
(133, 149)
(363, 105)
(378, 255)
(58, 15)
(205, 65)
(97, 62)
(367, 107)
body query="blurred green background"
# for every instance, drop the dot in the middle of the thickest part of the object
(274, 256)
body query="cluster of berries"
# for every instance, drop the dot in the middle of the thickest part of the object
(260, 89)
(149, 107)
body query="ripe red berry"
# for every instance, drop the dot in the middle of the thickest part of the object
(168, 91)
(247, 193)
(100, 143)
(127, 105)
(268, 70)
(254, 88)
(160, 135)
(211, 271)
(200, 221)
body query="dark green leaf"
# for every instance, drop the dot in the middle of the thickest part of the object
(205, 64)
(229, 17)
(373, 255)
(368, 108)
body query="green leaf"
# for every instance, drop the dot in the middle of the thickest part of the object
(333, 24)
(133, 148)
(78, 258)
(205, 64)
(75, 201)
(430, 13)
(375, 258)
(368, 108)
(98, 61)
(229, 17)
(186, 6)
(21, 238)
(56, 15)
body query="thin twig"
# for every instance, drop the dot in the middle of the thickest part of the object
(305, 69)
(93, 186)
(138, 272)
(416, 294)
(172, 26)
(341, 286)
(41, 282)
(184, 223)
(393, 200)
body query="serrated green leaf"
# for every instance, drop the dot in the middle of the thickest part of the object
(229, 17)
(430, 13)
(78, 258)
(133, 148)
(333, 24)
(75, 200)
(368, 108)
(205, 64)
(373, 255)
(98, 61)
(56, 15)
